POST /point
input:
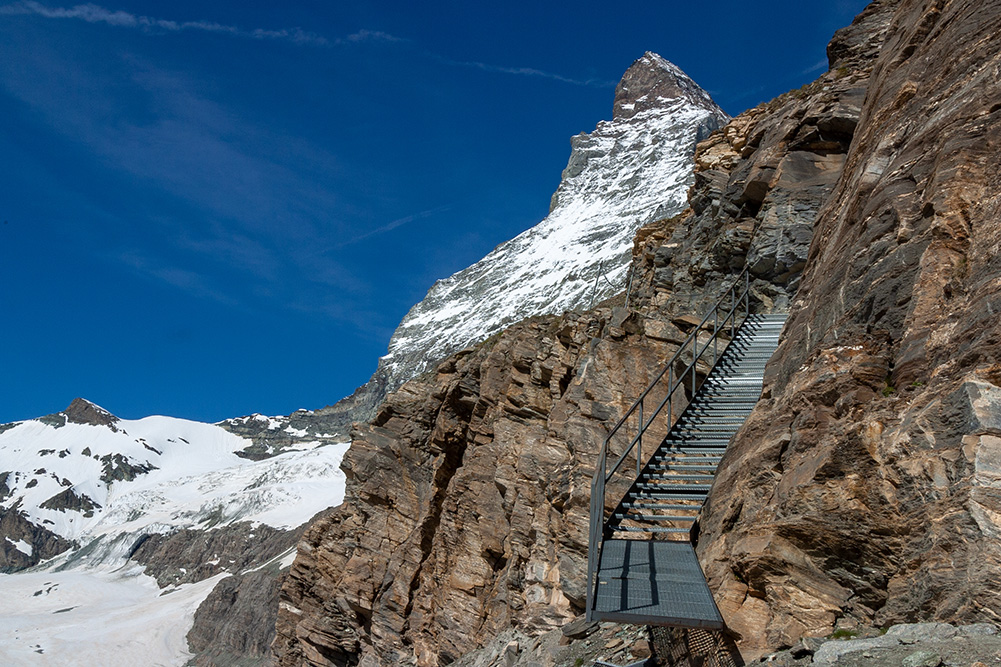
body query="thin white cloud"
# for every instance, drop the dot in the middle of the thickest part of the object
(92, 13)
(816, 67)
(390, 226)
(183, 279)
(121, 19)
(370, 36)
(525, 71)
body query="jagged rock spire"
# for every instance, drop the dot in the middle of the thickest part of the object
(651, 82)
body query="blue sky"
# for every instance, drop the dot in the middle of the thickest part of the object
(214, 209)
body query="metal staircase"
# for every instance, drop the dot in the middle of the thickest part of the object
(642, 566)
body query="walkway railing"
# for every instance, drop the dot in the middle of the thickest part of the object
(734, 304)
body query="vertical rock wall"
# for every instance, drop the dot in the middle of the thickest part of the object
(759, 185)
(866, 488)
(467, 504)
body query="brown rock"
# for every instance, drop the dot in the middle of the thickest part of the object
(466, 511)
(760, 183)
(854, 492)
(640, 649)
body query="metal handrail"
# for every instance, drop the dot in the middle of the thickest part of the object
(739, 294)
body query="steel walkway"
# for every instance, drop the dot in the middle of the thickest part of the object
(642, 566)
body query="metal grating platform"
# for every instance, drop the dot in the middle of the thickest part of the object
(653, 583)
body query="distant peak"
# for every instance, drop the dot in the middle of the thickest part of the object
(82, 411)
(650, 82)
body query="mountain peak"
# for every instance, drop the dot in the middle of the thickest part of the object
(82, 411)
(650, 82)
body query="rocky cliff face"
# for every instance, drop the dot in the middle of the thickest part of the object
(866, 487)
(467, 505)
(759, 184)
(631, 170)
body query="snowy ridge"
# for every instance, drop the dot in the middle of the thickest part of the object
(105, 487)
(629, 171)
(184, 474)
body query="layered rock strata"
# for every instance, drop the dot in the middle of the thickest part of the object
(866, 487)
(467, 505)
(466, 511)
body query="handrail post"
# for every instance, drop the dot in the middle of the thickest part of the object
(733, 311)
(670, 388)
(639, 440)
(747, 294)
(694, 360)
(715, 334)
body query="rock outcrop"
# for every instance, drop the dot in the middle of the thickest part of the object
(25, 543)
(235, 625)
(467, 502)
(759, 185)
(271, 436)
(905, 644)
(188, 555)
(866, 488)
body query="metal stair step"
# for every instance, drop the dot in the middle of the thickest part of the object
(654, 495)
(687, 462)
(648, 529)
(623, 516)
(716, 430)
(676, 478)
(674, 507)
(696, 449)
(741, 392)
(684, 465)
(672, 487)
(712, 407)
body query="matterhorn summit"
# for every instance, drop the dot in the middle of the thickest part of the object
(630, 170)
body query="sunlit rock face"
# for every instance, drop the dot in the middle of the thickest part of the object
(864, 489)
(466, 511)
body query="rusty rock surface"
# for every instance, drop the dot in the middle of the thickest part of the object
(866, 488)
(759, 185)
(467, 505)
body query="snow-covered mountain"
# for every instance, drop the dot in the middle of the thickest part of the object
(110, 510)
(630, 170)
